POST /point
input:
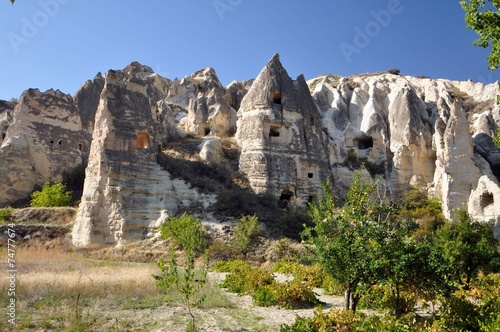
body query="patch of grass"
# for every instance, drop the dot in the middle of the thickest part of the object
(53, 286)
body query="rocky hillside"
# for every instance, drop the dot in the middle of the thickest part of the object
(131, 128)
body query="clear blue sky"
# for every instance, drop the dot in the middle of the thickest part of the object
(61, 43)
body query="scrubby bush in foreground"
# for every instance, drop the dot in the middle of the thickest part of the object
(264, 289)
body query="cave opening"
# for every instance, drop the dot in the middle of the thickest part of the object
(276, 97)
(274, 131)
(364, 143)
(286, 196)
(487, 199)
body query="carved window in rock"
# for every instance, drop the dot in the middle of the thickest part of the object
(363, 143)
(81, 146)
(276, 97)
(274, 131)
(143, 140)
(487, 199)
(310, 172)
(277, 133)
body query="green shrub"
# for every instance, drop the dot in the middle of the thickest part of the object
(51, 195)
(186, 231)
(264, 297)
(286, 266)
(246, 280)
(334, 320)
(294, 295)
(6, 213)
(311, 275)
(331, 286)
(339, 320)
(246, 233)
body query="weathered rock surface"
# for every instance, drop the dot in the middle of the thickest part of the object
(279, 134)
(433, 134)
(292, 134)
(126, 191)
(44, 139)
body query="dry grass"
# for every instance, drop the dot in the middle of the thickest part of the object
(62, 291)
(65, 291)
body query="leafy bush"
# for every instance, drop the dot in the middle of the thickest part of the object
(334, 320)
(475, 309)
(286, 266)
(264, 297)
(284, 249)
(265, 291)
(394, 71)
(186, 231)
(339, 320)
(459, 314)
(6, 213)
(51, 195)
(293, 295)
(247, 233)
(311, 275)
(243, 279)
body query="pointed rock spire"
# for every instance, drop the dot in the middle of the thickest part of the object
(272, 88)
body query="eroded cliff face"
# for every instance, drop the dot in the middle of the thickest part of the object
(433, 134)
(291, 134)
(43, 139)
(127, 193)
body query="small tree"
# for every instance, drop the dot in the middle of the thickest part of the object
(247, 233)
(468, 246)
(51, 195)
(187, 282)
(345, 239)
(186, 231)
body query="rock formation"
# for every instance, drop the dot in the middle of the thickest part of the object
(430, 133)
(433, 134)
(44, 139)
(279, 134)
(126, 192)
